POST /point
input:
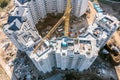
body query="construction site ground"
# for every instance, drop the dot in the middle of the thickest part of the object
(118, 71)
(3, 74)
(115, 39)
(99, 70)
(113, 9)
(45, 25)
(8, 50)
(91, 14)
(14, 65)
(5, 12)
(7, 55)
(110, 8)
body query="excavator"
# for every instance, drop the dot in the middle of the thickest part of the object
(66, 18)
(114, 55)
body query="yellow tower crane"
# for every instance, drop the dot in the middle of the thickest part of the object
(66, 18)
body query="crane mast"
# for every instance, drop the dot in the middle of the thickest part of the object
(49, 33)
(66, 18)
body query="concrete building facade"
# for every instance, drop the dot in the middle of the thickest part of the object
(39, 8)
(62, 53)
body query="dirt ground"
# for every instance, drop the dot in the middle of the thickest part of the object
(111, 8)
(118, 71)
(115, 39)
(7, 54)
(90, 17)
(5, 12)
(47, 23)
(114, 9)
(3, 75)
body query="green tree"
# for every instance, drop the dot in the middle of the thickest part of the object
(4, 3)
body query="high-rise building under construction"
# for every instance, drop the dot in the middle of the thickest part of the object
(63, 52)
